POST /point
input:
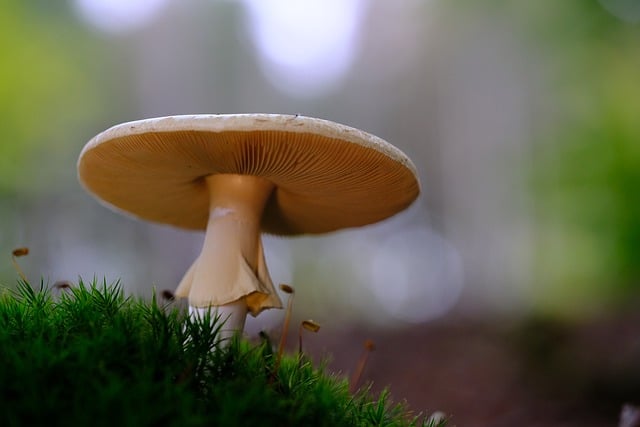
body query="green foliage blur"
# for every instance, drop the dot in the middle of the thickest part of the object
(587, 163)
(58, 83)
(55, 81)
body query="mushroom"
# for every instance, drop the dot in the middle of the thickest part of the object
(238, 175)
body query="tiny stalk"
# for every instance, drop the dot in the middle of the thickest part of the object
(309, 325)
(287, 318)
(18, 252)
(369, 346)
(285, 326)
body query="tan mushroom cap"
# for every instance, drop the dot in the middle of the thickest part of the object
(327, 176)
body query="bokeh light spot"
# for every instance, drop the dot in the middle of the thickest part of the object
(416, 275)
(305, 46)
(119, 16)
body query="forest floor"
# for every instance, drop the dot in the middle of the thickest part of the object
(536, 372)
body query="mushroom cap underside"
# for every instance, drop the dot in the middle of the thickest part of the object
(327, 176)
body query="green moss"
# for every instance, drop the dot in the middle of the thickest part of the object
(92, 356)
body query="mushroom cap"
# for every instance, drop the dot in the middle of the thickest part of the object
(327, 176)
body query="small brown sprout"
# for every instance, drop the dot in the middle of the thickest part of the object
(18, 252)
(369, 346)
(168, 295)
(62, 285)
(309, 325)
(287, 289)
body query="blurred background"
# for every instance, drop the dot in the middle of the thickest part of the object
(506, 295)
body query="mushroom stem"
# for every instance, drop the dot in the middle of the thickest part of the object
(231, 274)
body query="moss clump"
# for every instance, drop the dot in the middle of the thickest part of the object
(93, 357)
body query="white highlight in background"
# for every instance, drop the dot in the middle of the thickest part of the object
(305, 46)
(415, 275)
(119, 16)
